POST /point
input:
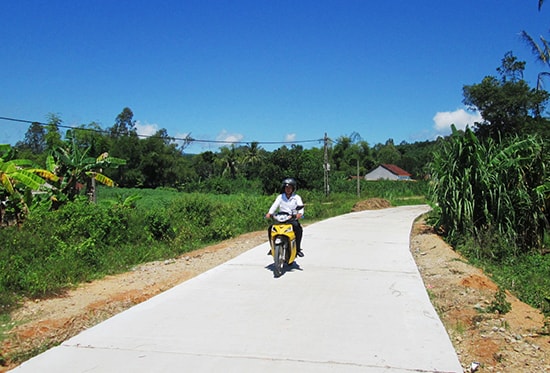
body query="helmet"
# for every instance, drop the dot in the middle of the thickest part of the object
(289, 181)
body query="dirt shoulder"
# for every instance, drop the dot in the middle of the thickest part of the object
(459, 291)
(462, 295)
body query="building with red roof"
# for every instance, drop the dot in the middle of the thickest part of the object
(388, 172)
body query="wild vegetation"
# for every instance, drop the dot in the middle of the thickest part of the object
(491, 188)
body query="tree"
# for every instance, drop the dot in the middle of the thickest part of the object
(125, 144)
(33, 147)
(124, 124)
(311, 172)
(204, 164)
(90, 136)
(541, 52)
(388, 153)
(508, 105)
(35, 139)
(349, 152)
(415, 157)
(511, 68)
(252, 160)
(229, 161)
(53, 136)
(162, 163)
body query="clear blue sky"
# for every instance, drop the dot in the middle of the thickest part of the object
(257, 70)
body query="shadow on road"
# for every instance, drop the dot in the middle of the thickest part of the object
(288, 268)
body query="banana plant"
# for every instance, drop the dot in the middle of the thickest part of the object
(76, 170)
(19, 178)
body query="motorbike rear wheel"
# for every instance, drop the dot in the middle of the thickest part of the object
(279, 260)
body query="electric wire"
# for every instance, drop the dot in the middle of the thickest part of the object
(187, 139)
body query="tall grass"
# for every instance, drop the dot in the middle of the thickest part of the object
(493, 192)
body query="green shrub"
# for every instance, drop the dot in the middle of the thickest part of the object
(500, 304)
(159, 225)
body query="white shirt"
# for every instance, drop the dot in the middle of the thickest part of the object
(288, 205)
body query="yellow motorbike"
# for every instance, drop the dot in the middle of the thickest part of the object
(283, 242)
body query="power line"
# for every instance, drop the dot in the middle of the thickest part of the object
(185, 139)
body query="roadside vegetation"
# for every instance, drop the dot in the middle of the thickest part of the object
(491, 187)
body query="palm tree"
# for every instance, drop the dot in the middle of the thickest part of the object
(253, 154)
(541, 52)
(229, 161)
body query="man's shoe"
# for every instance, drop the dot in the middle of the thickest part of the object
(300, 253)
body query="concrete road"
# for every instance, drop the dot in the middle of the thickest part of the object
(354, 303)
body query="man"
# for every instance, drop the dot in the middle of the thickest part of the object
(291, 203)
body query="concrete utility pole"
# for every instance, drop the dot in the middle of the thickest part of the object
(326, 166)
(358, 179)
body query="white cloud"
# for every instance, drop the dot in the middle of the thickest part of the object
(150, 129)
(229, 137)
(460, 118)
(289, 137)
(146, 129)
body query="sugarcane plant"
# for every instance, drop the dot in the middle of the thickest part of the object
(492, 189)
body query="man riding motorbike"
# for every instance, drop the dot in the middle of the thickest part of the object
(291, 203)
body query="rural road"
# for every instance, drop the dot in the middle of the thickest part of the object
(356, 303)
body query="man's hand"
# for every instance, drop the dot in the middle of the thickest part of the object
(268, 215)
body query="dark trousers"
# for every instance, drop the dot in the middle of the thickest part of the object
(298, 231)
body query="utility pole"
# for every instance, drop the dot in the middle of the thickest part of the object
(358, 179)
(326, 166)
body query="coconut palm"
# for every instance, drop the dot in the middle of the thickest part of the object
(253, 154)
(541, 52)
(228, 160)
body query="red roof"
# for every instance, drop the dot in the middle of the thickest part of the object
(396, 170)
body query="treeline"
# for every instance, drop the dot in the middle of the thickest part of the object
(160, 161)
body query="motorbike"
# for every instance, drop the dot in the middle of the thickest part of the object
(282, 240)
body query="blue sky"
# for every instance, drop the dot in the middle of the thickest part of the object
(258, 70)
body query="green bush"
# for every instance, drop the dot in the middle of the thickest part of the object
(159, 225)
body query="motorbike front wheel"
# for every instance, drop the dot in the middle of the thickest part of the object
(279, 260)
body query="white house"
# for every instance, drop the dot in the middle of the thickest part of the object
(388, 172)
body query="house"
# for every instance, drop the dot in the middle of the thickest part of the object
(388, 172)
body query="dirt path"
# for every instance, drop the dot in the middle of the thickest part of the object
(460, 292)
